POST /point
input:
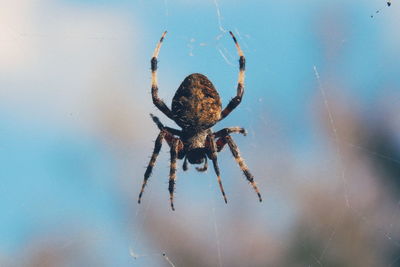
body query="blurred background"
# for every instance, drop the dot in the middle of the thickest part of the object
(321, 107)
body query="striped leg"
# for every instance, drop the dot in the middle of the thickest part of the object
(235, 151)
(154, 85)
(157, 148)
(227, 131)
(221, 142)
(162, 127)
(213, 156)
(185, 164)
(240, 87)
(172, 172)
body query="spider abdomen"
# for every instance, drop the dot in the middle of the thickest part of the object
(196, 103)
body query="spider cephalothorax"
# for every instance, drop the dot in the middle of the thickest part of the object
(196, 107)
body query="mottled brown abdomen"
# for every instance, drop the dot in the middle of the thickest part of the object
(196, 103)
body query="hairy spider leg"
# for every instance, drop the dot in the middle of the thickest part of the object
(157, 148)
(162, 127)
(240, 87)
(154, 85)
(166, 133)
(205, 166)
(221, 142)
(185, 164)
(227, 131)
(213, 156)
(172, 172)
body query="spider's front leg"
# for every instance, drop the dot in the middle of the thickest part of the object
(212, 151)
(227, 131)
(221, 142)
(162, 127)
(157, 148)
(175, 148)
(163, 135)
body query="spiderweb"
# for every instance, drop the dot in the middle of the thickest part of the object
(322, 241)
(320, 107)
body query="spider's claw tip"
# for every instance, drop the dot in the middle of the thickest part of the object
(153, 117)
(233, 36)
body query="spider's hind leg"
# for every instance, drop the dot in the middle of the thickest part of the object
(240, 86)
(158, 102)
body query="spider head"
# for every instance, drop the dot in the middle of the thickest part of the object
(196, 156)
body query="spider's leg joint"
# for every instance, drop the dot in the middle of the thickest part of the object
(153, 64)
(171, 188)
(242, 63)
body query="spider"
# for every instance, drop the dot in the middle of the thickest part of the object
(196, 107)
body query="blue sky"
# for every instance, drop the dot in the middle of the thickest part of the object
(75, 128)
